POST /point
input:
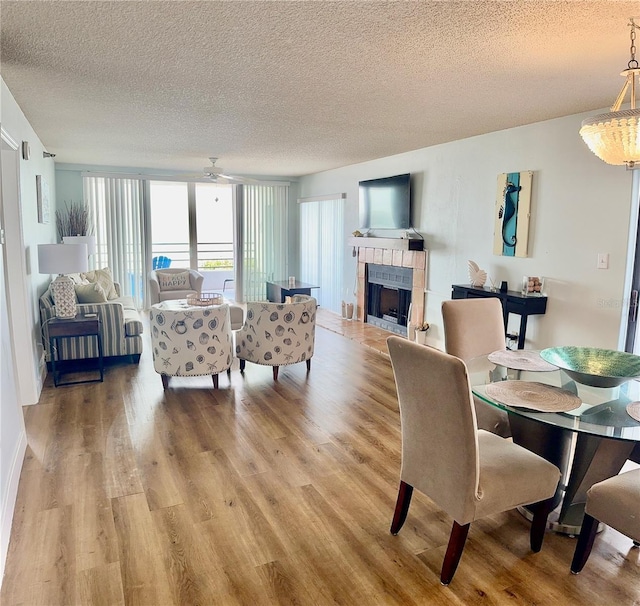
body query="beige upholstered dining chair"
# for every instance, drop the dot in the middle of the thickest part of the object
(615, 502)
(469, 473)
(472, 328)
(275, 334)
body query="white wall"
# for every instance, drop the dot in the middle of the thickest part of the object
(21, 370)
(24, 234)
(580, 207)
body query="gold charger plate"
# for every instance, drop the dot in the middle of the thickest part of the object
(533, 396)
(521, 359)
(633, 410)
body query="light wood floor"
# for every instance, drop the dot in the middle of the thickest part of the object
(260, 493)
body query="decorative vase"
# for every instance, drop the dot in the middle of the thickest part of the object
(64, 297)
(421, 337)
(349, 311)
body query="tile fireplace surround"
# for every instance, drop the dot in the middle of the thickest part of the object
(396, 257)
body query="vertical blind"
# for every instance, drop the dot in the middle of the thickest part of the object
(116, 208)
(261, 229)
(322, 249)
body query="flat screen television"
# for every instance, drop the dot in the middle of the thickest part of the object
(386, 203)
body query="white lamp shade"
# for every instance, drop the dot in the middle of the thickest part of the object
(62, 258)
(90, 241)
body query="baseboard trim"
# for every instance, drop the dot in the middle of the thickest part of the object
(9, 501)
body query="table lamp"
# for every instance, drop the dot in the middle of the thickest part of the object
(90, 241)
(63, 259)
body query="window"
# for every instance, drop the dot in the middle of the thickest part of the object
(193, 225)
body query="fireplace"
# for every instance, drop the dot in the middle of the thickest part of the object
(406, 287)
(389, 297)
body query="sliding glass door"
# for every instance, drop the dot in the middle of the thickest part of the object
(236, 235)
(262, 238)
(214, 237)
(322, 249)
(192, 227)
(116, 209)
(169, 219)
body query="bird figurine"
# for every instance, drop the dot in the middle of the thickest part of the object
(477, 276)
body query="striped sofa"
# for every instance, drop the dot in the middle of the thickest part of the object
(121, 330)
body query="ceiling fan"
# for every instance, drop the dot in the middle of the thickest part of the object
(216, 174)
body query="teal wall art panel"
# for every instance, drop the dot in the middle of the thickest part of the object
(512, 214)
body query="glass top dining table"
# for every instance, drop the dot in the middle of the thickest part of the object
(588, 444)
(602, 412)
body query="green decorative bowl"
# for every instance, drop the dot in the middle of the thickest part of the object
(593, 366)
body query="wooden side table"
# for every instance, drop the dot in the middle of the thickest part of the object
(80, 326)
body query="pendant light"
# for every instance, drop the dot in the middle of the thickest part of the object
(615, 136)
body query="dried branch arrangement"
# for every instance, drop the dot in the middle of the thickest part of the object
(72, 220)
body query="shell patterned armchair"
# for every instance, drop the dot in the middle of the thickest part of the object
(276, 334)
(193, 341)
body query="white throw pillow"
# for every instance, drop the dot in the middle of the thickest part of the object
(77, 279)
(105, 279)
(90, 293)
(174, 281)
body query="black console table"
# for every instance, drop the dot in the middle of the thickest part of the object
(512, 303)
(277, 291)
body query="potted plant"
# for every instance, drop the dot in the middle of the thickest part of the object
(421, 333)
(73, 220)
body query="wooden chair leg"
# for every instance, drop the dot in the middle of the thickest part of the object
(242, 365)
(229, 371)
(541, 512)
(405, 491)
(165, 381)
(275, 372)
(455, 547)
(308, 364)
(585, 543)
(215, 381)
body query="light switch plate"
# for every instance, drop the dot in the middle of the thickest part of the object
(603, 261)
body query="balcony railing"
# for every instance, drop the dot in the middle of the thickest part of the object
(211, 255)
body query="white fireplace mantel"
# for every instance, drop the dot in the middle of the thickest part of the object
(389, 243)
(375, 250)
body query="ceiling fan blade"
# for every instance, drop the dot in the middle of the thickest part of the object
(238, 179)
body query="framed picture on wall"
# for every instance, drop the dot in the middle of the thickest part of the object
(42, 194)
(512, 212)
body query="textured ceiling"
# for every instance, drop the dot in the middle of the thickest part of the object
(291, 88)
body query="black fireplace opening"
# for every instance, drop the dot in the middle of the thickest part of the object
(389, 296)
